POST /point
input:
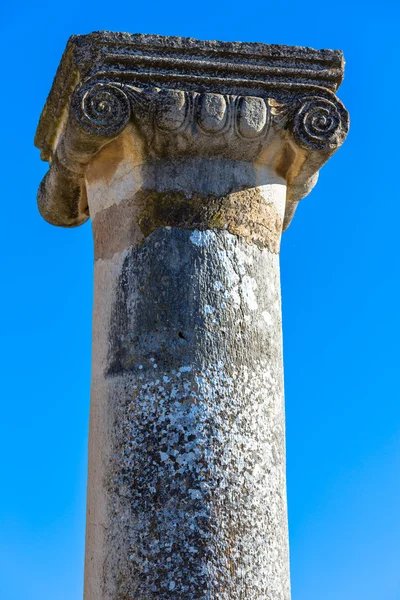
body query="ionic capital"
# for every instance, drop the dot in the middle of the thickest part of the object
(265, 105)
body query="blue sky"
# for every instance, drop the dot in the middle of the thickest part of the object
(340, 280)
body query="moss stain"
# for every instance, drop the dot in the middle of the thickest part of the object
(244, 213)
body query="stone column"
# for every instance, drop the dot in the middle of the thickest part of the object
(190, 158)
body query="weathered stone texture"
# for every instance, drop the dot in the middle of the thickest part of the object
(270, 104)
(245, 213)
(190, 158)
(195, 473)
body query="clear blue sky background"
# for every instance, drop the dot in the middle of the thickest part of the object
(340, 276)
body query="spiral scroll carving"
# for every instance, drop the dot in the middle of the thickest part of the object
(319, 123)
(101, 109)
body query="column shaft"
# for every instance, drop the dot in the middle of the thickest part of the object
(186, 494)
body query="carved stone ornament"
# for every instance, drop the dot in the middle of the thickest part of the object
(264, 104)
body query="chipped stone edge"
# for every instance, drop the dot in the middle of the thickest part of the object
(62, 194)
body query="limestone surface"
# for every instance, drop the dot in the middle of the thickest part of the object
(190, 158)
(184, 96)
